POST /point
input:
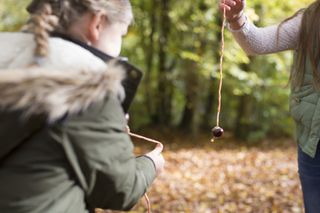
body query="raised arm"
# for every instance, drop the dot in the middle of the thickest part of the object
(260, 40)
(100, 153)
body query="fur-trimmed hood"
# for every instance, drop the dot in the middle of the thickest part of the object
(69, 80)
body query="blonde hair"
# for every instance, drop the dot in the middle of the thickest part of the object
(58, 15)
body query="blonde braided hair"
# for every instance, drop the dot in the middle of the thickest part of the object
(58, 15)
(41, 23)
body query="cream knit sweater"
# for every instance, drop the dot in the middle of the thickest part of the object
(257, 41)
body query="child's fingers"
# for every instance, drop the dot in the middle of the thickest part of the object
(230, 3)
(159, 148)
(241, 2)
(226, 7)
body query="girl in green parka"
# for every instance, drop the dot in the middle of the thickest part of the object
(63, 141)
(300, 33)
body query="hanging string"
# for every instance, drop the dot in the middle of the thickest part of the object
(221, 64)
(151, 141)
(142, 137)
(148, 202)
(217, 131)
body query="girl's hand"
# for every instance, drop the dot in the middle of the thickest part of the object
(157, 158)
(234, 9)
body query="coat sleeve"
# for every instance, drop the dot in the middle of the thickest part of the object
(101, 154)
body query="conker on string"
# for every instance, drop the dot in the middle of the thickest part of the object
(217, 132)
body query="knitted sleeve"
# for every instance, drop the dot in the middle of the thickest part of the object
(264, 40)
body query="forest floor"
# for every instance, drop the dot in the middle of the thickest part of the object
(226, 176)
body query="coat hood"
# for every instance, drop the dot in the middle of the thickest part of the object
(54, 93)
(66, 82)
(69, 80)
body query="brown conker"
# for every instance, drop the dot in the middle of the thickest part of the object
(217, 132)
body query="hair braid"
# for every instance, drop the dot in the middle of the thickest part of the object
(42, 22)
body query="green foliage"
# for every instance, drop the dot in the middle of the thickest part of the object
(12, 14)
(255, 89)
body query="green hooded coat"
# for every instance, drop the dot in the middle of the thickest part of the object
(63, 145)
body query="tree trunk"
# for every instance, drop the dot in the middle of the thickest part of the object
(149, 60)
(164, 84)
(242, 123)
(244, 110)
(191, 97)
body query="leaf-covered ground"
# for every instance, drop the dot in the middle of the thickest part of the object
(227, 177)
